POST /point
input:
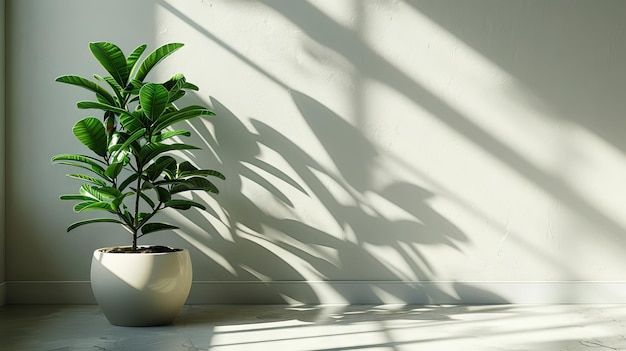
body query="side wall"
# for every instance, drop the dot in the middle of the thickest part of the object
(375, 151)
(2, 153)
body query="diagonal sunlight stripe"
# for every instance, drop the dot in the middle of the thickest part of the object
(223, 44)
(323, 291)
(507, 160)
(212, 254)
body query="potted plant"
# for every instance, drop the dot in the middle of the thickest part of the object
(131, 175)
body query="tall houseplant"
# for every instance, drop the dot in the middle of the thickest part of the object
(131, 173)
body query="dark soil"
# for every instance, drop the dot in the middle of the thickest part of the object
(142, 249)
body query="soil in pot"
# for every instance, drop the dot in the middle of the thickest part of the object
(141, 249)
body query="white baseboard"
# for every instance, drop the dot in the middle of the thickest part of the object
(381, 292)
(48, 292)
(344, 292)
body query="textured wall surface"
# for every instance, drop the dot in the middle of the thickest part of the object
(451, 150)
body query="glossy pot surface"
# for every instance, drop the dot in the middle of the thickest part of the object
(141, 289)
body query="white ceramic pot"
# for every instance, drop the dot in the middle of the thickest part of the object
(141, 289)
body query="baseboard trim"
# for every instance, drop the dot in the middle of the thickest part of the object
(49, 293)
(382, 292)
(343, 292)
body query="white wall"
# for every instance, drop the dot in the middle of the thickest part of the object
(376, 151)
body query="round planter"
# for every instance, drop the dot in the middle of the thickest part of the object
(141, 289)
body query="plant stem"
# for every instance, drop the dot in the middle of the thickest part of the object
(137, 199)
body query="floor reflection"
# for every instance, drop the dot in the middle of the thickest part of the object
(274, 327)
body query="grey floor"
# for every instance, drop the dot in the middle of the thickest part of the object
(389, 327)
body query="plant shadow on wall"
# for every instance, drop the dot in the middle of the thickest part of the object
(266, 240)
(325, 35)
(574, 72)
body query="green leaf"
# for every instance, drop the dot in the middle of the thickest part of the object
(95, 220)
(186, 113)
(163, 194)
(84, 162)
(112, 59)
(134, 121)
(150, 151)
(186, 166)
(110, 192)
(177, 96)
(170, 134)
(99, 193)
(186, 169)
(143, 216)
(134, 56)
(176, 79)
(153, 99)
(91, 132)
(76, 157)
(118, 89)
(101, 106)
(119, 155)
(78, 165)
(128, 218)
(133, 177)
(154, 58)
(191, 86)
(153, 227)
(114, 169)
(136, 135)
(75, 197)
(183, 204)
(93, 180)
(119, 199)
(175, 86)
(135, 85)
(203, 173)
(160, 165)
(94, 205)
(195, 183)
(101, 93)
